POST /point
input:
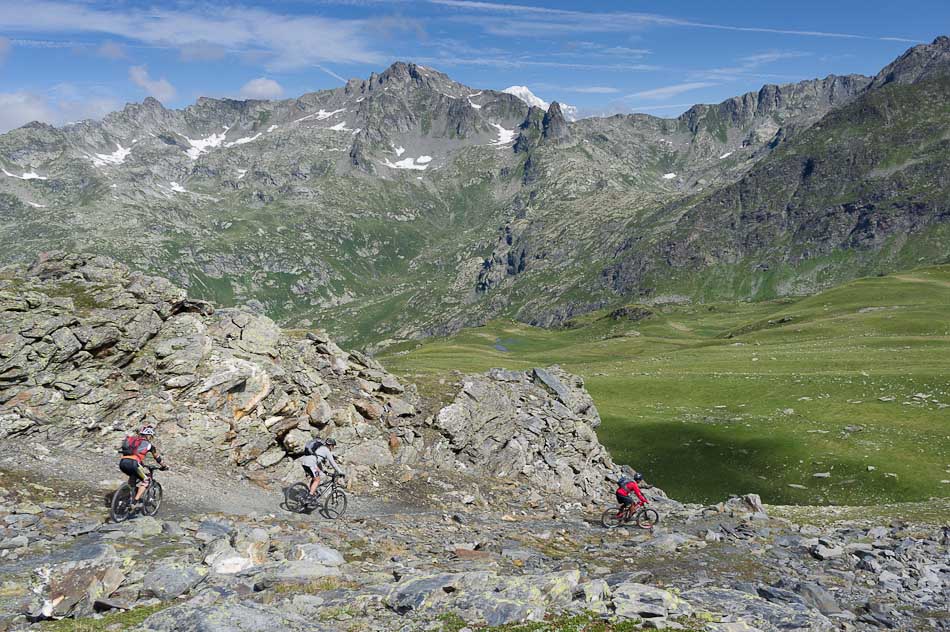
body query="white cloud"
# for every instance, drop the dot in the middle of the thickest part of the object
(112, 50)
(671, 91)
(4, 48)
(161, 89)
(287, 41)
(261, 88)
(20, 108)
(62, 103)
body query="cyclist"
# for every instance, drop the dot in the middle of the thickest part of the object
(625, 485)
(134, 450)
(317, 455)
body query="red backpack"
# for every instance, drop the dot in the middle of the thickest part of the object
(130, 445)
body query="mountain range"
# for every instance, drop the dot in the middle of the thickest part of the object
(407, 204)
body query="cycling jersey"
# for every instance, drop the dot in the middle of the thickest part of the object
(631, 486)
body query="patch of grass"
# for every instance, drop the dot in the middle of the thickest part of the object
(583, 622)
(724, 398)
(113, 622)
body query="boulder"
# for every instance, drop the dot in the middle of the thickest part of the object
(170, 580)
(639, 601)
(317, 553)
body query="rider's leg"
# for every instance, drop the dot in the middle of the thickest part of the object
(143, 483)
(314, 482)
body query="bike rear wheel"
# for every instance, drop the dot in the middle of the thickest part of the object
(153, 499)
(335, 504)
(612, 518)
(120, 510)
(647, 518)
(296, 497)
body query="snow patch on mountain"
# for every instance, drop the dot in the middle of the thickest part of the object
(419, 164)
(177, 188)
(29, 175)
(322, 115)
(505, 136)
(115, 158)
(725, 155)
(399, 151)
(203, 145)
(242, 141)
(669, 176)
(35, 205)
(524, 93)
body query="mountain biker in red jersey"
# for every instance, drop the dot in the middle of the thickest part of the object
(134, 450)
(626, 485)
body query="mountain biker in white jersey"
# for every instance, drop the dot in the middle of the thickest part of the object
(317, 455)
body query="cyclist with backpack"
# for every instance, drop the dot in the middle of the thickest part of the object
(134, 450)
(626, 485)
(317, 455)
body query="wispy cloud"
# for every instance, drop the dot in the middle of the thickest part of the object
(547, 20)
(288, 41)
(161, 89)
(4, 48)
(593, 90)
(331, 73)
(749, 65)
(667, 92)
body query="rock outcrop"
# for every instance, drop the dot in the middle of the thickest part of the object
(90, 350)
(536, 426)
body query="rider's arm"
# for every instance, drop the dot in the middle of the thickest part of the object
(332, 462)
(636, 490)
(156, 455)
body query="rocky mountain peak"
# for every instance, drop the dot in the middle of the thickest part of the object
(918, 63)
(555, 127)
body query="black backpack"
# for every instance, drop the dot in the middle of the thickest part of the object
(312, 446)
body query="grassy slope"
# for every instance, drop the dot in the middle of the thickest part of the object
(751, 397)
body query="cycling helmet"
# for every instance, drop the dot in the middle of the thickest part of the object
(330, 442)
(147, 431)
(638, 477)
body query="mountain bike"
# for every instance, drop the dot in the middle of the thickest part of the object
(619, 516)
(297, 497)
(121, 509)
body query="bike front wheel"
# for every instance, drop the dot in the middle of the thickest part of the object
(335, 504)
(647, 518)
(121, 507)
(296, 497)
(153, 499)
(612, 518)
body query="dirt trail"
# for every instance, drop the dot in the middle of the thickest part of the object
(189, 490)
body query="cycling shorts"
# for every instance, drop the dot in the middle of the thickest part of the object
(134, 470)
(311, 465)
(625, 500)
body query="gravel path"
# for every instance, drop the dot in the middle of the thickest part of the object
(189, 489)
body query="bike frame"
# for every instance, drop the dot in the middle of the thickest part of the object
(629, 511)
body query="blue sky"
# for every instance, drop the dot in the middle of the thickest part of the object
(62, 61)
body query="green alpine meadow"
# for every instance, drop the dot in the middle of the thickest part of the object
(838, 398)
